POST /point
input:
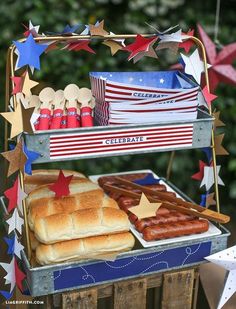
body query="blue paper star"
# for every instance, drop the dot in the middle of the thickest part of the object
(203, 200)
(69, 30)
(10, 242)
(6, 294)
(147, 180)
(29, 52)
(31, 157)
(208, 153)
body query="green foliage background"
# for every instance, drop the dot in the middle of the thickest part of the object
(125, 16)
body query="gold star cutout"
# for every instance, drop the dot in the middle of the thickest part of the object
(114, 46)
(217, 122)
(145, 209)
(219, 149)
(16, 159)
(210, 200)
(19, 119)
(97, 30)
(28, 85)
(173, 46)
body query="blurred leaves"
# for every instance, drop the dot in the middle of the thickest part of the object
(127, 16)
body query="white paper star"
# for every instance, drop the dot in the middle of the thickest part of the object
(227, 260)
(10, 276)
(34, 29)
(208, 178)
(193, 65)
(18, 247)
(172, 37)
(15, 222)
(21, 195)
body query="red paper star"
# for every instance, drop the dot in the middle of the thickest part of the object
(12, 195)
(61, 186)
(209, 97)
(188, 43)
(141, 44)
(81, 45)
(20, 276)
(199, 175)
(221, 69)
(18, 84)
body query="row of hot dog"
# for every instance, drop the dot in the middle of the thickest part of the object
(166, 224)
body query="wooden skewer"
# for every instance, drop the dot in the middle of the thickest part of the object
(205, 213)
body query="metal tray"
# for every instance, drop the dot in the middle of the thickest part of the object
(44, 280)
(105, 141)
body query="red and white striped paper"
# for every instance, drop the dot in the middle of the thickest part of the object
(120, 141)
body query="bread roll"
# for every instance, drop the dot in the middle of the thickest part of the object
(33, 241)
(42, 177)
(86, 248)
(88, 196)
(75, 186)
(80, 224)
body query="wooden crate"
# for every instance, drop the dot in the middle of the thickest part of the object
(171, 290)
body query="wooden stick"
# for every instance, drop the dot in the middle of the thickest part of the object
(205, 213)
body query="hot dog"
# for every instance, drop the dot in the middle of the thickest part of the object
(170, 217)
(163, 231)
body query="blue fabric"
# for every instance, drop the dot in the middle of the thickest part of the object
(130, 266)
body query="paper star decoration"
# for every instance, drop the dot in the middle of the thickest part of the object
(19, 119)
(208, 152)
(145, 209)
(61, 186)
(97, 29)
(114, 46)
(172, 37)
(21, 195)
(18, 84)
(7, 295)
(147, 180)
(31, 157)
(221, 64)
(149, 53)
(199, 175)
(14, 246)
(20, 276)
(210, 200)
(193, 65)
(209, 97)
(227, 260)
(219, 149)
(81, 45)
(69, 29)
(28, 84)
(16, 158)
(29, 53)
(10, 277)
(208, 178)
(12, 195)
(15, 222)
(173, 46)
(140, 45)
(217, 122)
(187, 43)
(31, 29)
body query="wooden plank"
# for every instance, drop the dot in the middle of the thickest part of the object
(86, 299)
(195, 288)
(130, 294)
(178, 290)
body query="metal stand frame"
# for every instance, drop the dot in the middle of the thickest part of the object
(58, 38)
